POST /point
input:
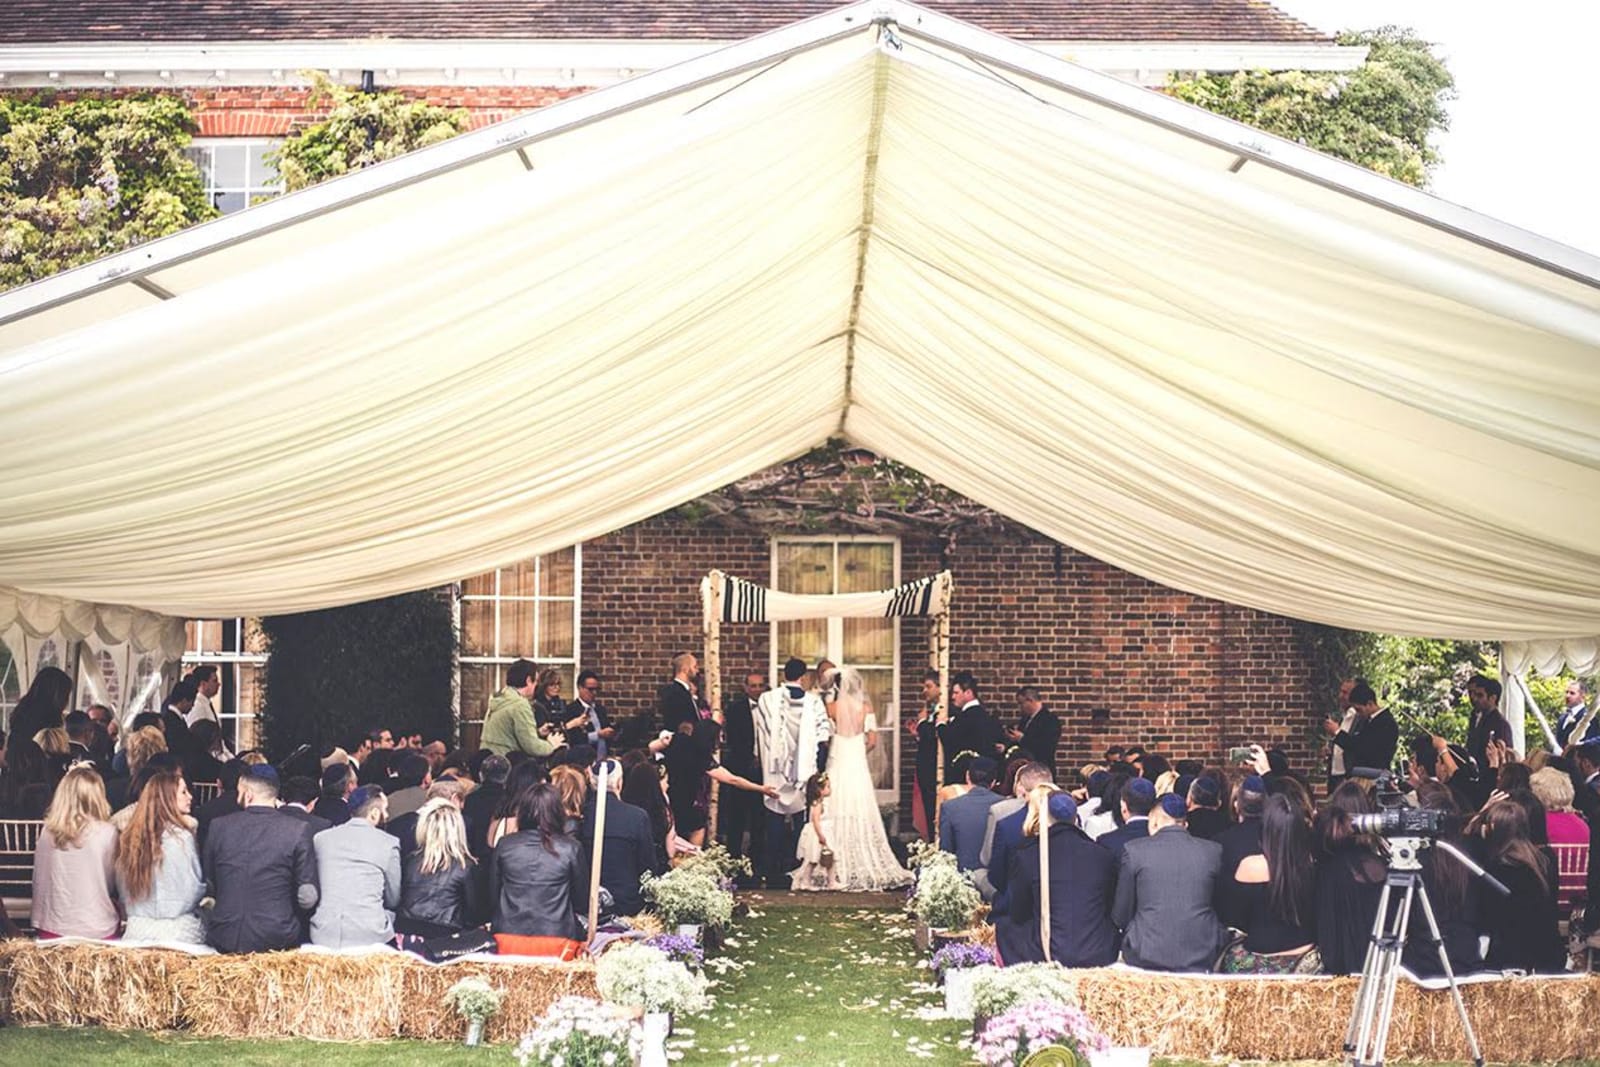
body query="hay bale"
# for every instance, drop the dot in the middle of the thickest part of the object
(530, 989)
(92, 985)
(1170, 1014)
(295, 994)
(1287, 1018)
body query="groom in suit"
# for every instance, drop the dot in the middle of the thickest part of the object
(791, 724)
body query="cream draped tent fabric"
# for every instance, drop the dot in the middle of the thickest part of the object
(1281, 384)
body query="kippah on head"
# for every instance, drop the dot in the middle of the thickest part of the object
(1142, 788)
(1098, 780)
(1063, 808)
(1205, 792)
(263, 772)
(335, 775)
(1254, 784)
(1175, 806)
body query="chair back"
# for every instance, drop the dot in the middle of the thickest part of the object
(1572, 872)
(18, 840)
(204, 791)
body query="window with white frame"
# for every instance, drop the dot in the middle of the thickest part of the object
(527, 611)
(235, 170)
(831, 565)
(238, 649)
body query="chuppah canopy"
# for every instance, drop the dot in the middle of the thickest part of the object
(1202, 354)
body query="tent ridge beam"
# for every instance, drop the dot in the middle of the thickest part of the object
(869, 200)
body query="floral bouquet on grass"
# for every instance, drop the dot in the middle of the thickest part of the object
(1010, 1038)
(684, 950)
(579, 1032)
(944, 899)
(998, 991)
(688, 895)
(474, 999)
(958, 956)
(716, 859)
(634, 975)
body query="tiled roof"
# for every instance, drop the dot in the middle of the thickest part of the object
(84, 21)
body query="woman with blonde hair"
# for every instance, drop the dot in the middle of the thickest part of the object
(441, 886)
(574, 786)
(1567, 831)
(73, 876)
(158, 864)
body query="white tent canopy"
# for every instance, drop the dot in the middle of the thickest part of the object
(1199, 353)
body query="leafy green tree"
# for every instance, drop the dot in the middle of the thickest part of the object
(360, 129)
(1381, 115)
(81, 179)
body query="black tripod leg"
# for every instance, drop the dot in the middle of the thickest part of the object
(1450, 976)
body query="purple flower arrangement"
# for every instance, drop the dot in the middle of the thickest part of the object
(959, 955)
(684, 950)
(1010, 1037)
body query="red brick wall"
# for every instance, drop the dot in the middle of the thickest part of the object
(1191, 676)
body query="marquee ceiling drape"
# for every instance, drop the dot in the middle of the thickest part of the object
(1208, 357)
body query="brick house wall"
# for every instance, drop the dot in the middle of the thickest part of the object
(1189, 675)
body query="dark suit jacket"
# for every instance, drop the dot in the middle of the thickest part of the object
(478, 812)
(1007, 839)
(1041, 735)
(580, 735)
(209, 812)
(972, 729)
(1373, 746)
(739, 738)
(333, 809)
(1137, 829)
(259, 866)
(1082, 878)
(628, 851)
(1165, 888)
(962, 822)
(675, 706)
(316, 822)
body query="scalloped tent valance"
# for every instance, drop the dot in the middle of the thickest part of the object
(47, 616)
(1199, 353)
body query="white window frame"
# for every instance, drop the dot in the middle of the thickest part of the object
(251, 189)
(836, 634)
(229, 660)
(500, 659)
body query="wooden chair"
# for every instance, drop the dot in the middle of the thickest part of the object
(18, 839)
(204, 791)
(1572, 873)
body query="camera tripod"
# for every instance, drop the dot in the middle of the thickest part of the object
(1368, 1033)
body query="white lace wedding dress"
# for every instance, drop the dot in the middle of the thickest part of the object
(863, 860)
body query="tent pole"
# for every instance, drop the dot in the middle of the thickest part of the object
(713, 675)
(941, 644)
(1538, 713)
(603, 787)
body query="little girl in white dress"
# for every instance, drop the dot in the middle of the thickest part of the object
(814, 851)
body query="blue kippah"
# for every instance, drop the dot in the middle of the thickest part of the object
(1098, 780)
(1254, 784)
(1175, 806)
(266, 772)
(1063, 808)
(1141, 787)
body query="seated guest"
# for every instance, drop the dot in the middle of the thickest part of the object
(26, 782)
(156, 764)
(1270, 896)
(629, 848)
(478, 810)
(158, 864)
(83, 742)
(298, 794)
(536, 881)
(963, 819)
(1165, 887)
(1523, 931)
(1452, 891)
(260, 869)
(574, 786)
(1566, 830)
(1082, 874)
(442, 888)
(1000, 845)
(1243, 837)
(1207, 820)
(1137, 801)
(1108, 813)
(955, 785)
(404, 829)
(228, 801)
(413, 780)
(1350, 877)
(358, 870)
(73, 864)
(59, 752)
(207, 753)
(641, 787)
(142, 745)
(338, 782)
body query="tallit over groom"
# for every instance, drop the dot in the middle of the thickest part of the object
(790, 723)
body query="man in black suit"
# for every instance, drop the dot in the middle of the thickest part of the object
(740, 809)
(260, 868)
(596, 730)
(224, 803)
(628, 850)
(1138, 798)
(478, 812)
(675, 701)
(1039, 731)
(970, 728)
(1165, 886)
(1372, 738)
(298, 794)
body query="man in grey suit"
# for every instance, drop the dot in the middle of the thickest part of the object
(1165, 887)
(963, 819)
(1028, 776)
(358, 865)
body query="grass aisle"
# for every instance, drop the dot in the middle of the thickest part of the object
(822, 986)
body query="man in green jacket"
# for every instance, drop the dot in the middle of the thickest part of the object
(510, 725)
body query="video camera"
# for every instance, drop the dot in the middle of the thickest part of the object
(1396, 818)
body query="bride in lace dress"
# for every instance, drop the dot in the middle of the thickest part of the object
(863, 860)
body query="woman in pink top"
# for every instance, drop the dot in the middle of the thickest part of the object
(1569, 834)
(74, 872)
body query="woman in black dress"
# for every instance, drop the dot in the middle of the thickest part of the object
(691, 768)
(1350, 874)
(1271, 895)
(1452, 891)
(1522, 929)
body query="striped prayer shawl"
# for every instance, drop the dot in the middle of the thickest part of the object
(744, 601)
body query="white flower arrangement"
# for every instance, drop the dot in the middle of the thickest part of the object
(634, 975)
(474, 999)
(579, 1032)
(999, 989)
(688, 895)
(943, 898)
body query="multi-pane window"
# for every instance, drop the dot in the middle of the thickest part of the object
(872, 646)
(235, 171)
(526, 611)
(239, 651)
(10, 679)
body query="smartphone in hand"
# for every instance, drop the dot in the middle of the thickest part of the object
(1239, 755)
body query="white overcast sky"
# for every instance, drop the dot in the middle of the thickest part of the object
(1524, 142)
